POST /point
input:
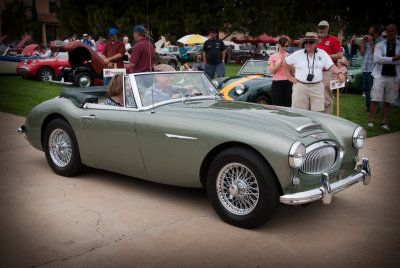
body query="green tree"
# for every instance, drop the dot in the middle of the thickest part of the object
(16, 21)
(175, 18)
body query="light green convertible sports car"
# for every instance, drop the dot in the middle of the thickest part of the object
(175, 128)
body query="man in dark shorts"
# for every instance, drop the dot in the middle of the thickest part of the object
(214, 55)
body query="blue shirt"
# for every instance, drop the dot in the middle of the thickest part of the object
(87, 42)
(158, 95)
(368, 63)
(183, 51)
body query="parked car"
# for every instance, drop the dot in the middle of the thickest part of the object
(9, 62)
(170, 60)
(249, 157)
(86, 65)
(252, 83)
(43, 69)
(169, 51)
(194, 51)
(354, 75)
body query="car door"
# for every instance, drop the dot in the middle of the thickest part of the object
(111, 141)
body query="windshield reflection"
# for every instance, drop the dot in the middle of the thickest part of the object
(255, 67)
(165, 86)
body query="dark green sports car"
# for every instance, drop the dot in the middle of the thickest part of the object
(252, 83)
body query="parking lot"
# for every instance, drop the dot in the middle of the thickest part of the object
(101, 219)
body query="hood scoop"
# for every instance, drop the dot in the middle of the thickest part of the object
(308, 127)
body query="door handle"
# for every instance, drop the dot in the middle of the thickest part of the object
(89, 117)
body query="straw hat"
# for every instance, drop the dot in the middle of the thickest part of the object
(310, 36)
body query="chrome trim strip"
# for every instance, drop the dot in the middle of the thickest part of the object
(327, 189)
(172, 136)
(308, 127)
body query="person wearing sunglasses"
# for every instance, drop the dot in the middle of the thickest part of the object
(308, 87)
(281, 87)
(331, 45)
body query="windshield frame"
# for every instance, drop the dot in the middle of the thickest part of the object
(136, 92)
(247, 73)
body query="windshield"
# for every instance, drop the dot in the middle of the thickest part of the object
(166, 86)
(255, 67)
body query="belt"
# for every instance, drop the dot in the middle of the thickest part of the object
(310, 83)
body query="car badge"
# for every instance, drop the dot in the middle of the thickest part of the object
(318, 136)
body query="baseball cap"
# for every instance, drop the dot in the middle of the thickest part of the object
(139, 29)
(323, 23)
(112, 31)
(85, 35)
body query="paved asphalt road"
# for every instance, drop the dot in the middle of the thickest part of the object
(102, 219)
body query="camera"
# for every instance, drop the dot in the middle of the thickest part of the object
(310, 77)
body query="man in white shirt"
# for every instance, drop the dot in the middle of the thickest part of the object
(386, 75)
(308, 87)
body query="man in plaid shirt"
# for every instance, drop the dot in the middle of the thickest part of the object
(367, 52)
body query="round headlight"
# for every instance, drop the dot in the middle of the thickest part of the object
(297, 154)
(215, 83)
(239, 89)
(359, 137)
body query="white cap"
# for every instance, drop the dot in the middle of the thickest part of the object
(323, 23)
(85, 35)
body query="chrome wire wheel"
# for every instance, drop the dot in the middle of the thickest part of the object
(60, 147)
(237, 189)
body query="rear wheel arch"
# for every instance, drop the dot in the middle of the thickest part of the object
(46, 122)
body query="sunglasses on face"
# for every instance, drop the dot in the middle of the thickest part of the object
(309, 42)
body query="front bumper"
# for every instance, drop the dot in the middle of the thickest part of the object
(326, 191)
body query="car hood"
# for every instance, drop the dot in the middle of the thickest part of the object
(79, 53)
(281, 120)
(226, 84)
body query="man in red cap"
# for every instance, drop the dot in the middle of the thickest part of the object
(331, 45)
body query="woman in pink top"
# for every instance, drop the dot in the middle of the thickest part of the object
(100, 45)
(281, 86)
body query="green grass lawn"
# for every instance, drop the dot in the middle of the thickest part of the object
(19, 96)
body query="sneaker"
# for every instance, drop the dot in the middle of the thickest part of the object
(363, 95)
(385, 126)
(371, 124)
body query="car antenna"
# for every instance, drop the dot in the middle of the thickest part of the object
(151, 64)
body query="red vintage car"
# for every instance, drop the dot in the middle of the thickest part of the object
(43, 69)
(86, 65)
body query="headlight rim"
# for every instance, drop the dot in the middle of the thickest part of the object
(293, 152)
(357, 137)
(239, 89)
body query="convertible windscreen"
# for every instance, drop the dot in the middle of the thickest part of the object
(163, 86)
(255, 67)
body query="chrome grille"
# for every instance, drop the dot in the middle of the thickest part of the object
(23, 70)
(319, 160)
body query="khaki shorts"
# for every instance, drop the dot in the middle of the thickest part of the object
(308, 96)
(384, 89)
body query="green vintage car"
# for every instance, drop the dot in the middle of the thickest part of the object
(176, 129)
(252, 83)
(354, 75)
